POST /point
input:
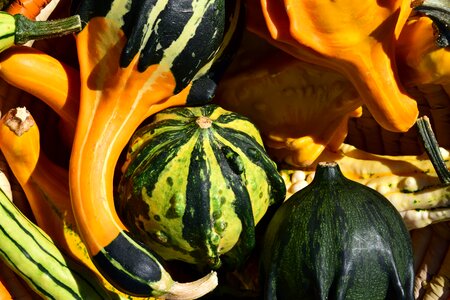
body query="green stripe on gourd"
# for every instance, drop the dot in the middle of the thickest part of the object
(196, 182)
(27, 250)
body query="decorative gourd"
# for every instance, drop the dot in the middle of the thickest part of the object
(356, 40)
(25, 247)
(337, 239)
(196, 182)
(115, 99)
(420, 60)
(46, 187)
(299, 108)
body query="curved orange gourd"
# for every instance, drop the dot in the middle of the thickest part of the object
(355, 40)
(45, 77)
(114, 101)
(46, 187)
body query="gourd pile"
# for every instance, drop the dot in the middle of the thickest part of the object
(225, 149)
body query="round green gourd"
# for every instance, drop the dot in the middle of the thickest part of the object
(337, 239)
(196, 182)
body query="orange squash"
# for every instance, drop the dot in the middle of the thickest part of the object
(355, 40)
(421, 61)
(114, 101)
(48, 79)
(300, 108)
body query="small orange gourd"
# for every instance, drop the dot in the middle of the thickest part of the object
(48, 79)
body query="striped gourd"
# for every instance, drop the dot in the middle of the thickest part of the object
(196, 182)
(135, 59)
(31, 253)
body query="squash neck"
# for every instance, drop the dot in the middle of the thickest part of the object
(327, 171)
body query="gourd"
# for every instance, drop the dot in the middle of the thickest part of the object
(45, 185)
(115, 100)
(43, 76)
(357, 41)
(300, 108)
(409, 182)
(195, 183)
(337, 239)
(32, 254)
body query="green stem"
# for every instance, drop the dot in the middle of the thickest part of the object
(432, 149)
(27, 30)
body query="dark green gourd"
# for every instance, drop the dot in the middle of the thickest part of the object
(337, 239)
(196, 182)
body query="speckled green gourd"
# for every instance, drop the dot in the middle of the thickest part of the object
(196, 182)
(337, 239)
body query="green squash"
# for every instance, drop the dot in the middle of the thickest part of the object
(337, 239)
(196, 182)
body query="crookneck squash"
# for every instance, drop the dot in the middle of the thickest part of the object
(46, 187)
(196, 182)
(356, 40)
(25, 247)
(187, 41)
(337, 239)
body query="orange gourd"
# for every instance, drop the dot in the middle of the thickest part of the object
(421, 61)
(114, 101)
(355, 40)
(300, 108)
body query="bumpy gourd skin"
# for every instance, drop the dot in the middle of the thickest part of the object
(195, 183)
(114, 100)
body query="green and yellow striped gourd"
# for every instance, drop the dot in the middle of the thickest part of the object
(196, 182)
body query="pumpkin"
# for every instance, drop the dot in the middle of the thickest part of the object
(115, 100)
(196, 182)
(337, 239)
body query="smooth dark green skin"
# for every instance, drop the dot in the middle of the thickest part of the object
(308, 251)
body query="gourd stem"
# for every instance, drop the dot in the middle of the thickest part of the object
(27, 30)
(432, 149)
